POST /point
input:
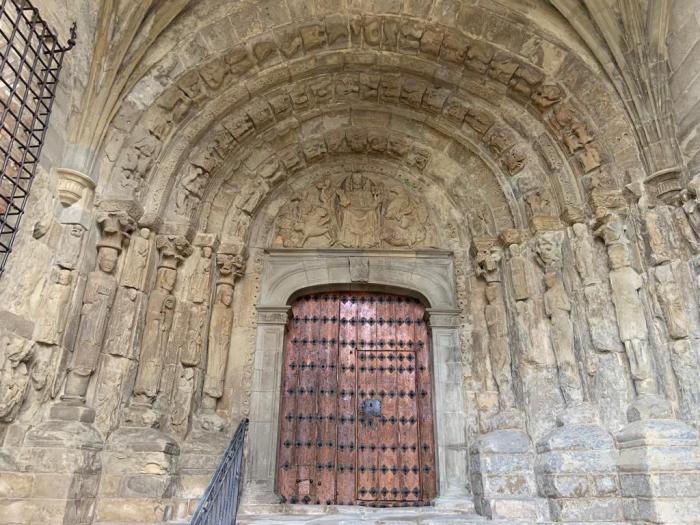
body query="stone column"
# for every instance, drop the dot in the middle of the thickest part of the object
(97, 304)
(450, 409)
(120, 349)
(231, 264)
(264, 405)
(189, 335)
(154, 343)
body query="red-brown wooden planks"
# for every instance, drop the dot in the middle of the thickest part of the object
(342, 349)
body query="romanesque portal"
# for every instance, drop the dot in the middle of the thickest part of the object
(524, 175)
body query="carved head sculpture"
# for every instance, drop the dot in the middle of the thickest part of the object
(144, 233)
(580, 230)
(492, 292)
(619, 256)
(224, 293)
(166, 278)
(694, 186)
(107, 257)
(548, 248)
(76, 231)
(207, 252)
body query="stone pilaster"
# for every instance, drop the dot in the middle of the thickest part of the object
(576, 469)
(502, 466)
(659, 466)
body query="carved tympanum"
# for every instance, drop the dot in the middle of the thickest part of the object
(354, 212)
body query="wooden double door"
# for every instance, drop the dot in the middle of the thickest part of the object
(356, 418)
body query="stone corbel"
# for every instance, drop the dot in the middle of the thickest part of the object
(76, 195)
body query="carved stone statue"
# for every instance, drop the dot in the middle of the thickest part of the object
(137, 260)
(584, 254)
(201, 279)
(159, 319)
(97, 303)
(626, 283)
(231, 267)
(558, 308)
(359, 201)
(672, 303)
(50, 325)
(70, 246)
(499, 347)
(139, 158)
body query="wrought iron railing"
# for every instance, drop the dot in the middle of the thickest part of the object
(30, 63)
(219, 504)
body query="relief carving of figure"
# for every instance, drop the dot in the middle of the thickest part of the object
(499, 348)
(360, 206)
(231, 267)
(14, 374)
(191, 191)
(626, 283)
(404, 220)
(487, 257)
(354, 213)
(70, 246)
(558, 308)
(159, 320)
(50, 325)
(201, 279)
(672, 303)
(584, 254)
(139, 159)
(548, 248)
(137, 260)
(97, 302)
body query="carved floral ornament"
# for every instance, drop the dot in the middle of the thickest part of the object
(355, 211)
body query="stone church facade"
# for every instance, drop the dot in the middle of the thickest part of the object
(474, 225)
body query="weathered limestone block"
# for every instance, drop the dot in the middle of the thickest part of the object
(601, 319)
(502, 472)
(577, 469)
(138, 477)
(659, 466)
(685, 360)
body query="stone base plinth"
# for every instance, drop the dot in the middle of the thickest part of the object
(660, 471)
(52, 478)
(139, 477)
(577, 470)
(503, 477)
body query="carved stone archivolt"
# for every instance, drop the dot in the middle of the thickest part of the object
(354, 212)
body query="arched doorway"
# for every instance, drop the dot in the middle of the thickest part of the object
(356, 416)
(289, 274)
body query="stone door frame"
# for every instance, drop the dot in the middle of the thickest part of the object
(427, 274)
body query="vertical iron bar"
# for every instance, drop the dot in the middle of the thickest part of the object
(28, 98)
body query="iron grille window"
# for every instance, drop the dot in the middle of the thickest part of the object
(30, 63)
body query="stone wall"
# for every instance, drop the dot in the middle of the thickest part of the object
(189, 138)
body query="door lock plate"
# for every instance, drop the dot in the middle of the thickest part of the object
(371, 407)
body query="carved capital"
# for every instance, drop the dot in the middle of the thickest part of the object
(442, 318)
(230, 262)
(612, 229)
(173, 250)
(487, 254)
(273, 315)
